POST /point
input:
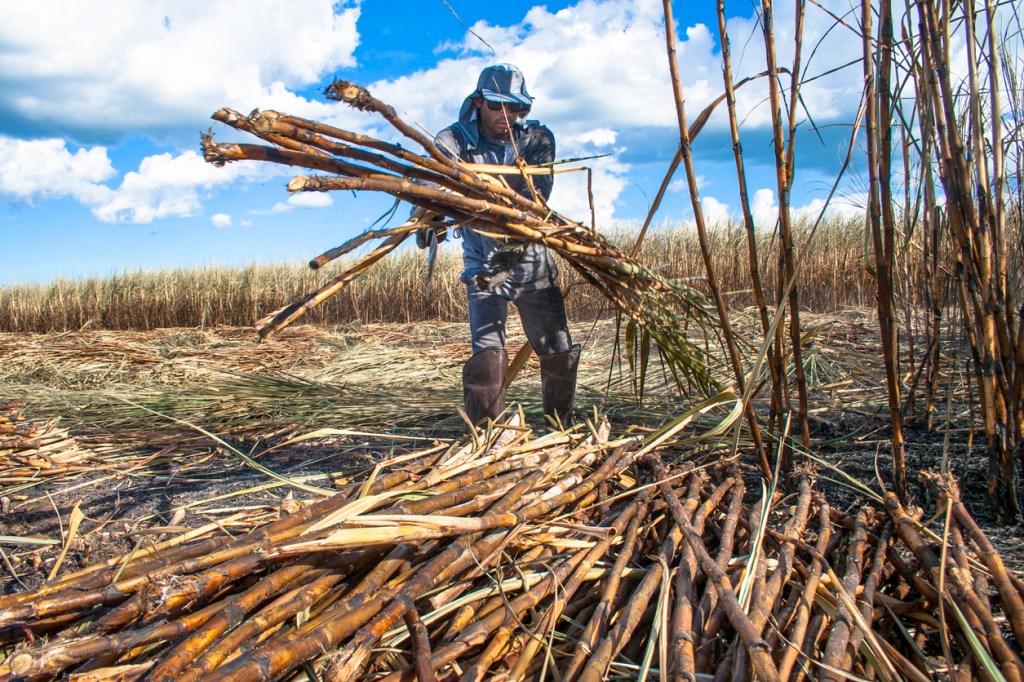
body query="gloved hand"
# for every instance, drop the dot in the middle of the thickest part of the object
(434, 231)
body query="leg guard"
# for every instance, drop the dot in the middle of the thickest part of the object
(558, 382)
(483, 384)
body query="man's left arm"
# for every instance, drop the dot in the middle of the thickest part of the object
(540, 149)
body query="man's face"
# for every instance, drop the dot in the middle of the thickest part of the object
(496, 119)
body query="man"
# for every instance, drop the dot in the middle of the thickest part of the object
(492, 129)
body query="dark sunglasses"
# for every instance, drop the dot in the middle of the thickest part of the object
(511, 108)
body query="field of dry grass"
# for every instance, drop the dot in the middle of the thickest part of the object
(834, 276)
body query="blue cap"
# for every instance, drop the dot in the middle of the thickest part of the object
(503, 83)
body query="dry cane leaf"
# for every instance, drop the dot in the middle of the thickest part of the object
(76, 518)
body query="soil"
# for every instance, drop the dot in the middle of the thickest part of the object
(69, 441)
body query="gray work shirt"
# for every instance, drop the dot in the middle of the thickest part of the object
(536, 144)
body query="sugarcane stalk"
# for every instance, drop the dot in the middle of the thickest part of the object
(974, 240)
(492, 617)
(271, 126)
(911, 671)
(809, 647)
(186, 592)
(501, 625)
(229, 560)
(48, 662)
(486, 557)
(767, 592)
(726, 546)
(461, 173)
(236, 609)
(798, 631)
(702, 237)
(682, 664)
(1009, 661)
(597, 666)
(748, 216)
(353, 656)
(788, 271)
(1010, 597)
(101, 576)
(293, 602)
(296, 310)
(219, 153)
(597, 625)
(420, 646)
(878, 119)
(870, 589)
(839, 637)
(279, 138)
(764, 667)
(533, 642)
(505, 220)
(360, 98)
(452, 498)
(621, 522)
(413, 528)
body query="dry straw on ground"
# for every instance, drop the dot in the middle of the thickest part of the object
(511, 555)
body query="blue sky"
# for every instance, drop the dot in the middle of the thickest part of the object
(102, 103)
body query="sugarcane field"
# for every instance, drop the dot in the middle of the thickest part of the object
(695, 450)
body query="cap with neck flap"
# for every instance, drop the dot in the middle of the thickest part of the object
(497, 83)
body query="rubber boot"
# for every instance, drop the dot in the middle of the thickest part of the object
(483, 384)
(558, 382)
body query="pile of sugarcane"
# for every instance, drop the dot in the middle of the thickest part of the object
(30, 450)
(470, 197)
(568, 556)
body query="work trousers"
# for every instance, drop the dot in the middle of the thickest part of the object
(542, 312)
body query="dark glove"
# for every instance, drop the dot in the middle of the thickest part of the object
(498, 265)
(433, 233)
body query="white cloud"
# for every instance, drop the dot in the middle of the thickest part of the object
(766, 210)
(715, 212)
(163, 64)
(167, 185)
(45, 169)
(220, 220)
(310, 200)
(681, 185)
(599, 137)
(570, 196)
(300, 200)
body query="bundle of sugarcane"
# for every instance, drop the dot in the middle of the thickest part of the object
(472, 198)
(513, 557)
(30, 449)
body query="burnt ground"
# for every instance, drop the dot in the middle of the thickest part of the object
(72, 434)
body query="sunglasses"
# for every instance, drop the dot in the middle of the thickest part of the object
(511, 108)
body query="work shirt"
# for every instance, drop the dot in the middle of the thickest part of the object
(536, 144)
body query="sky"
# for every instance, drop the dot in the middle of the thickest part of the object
(102, 103)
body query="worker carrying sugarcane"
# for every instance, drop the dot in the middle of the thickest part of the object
(493, 129)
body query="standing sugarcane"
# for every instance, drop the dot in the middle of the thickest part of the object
(702, 235)
(878, 118)
(748, 224)
(992, 328)
(784, 178)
